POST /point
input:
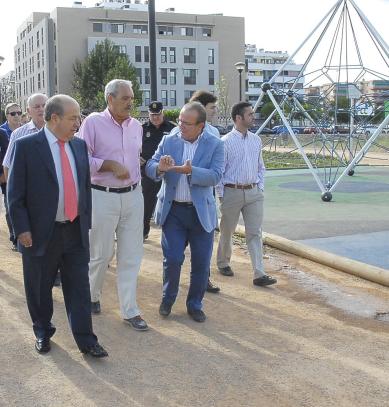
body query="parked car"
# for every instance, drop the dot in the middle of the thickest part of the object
(369, 129)
(222, 130)
(283, 130)
(265, 130)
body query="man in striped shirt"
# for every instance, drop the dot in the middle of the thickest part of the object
(35, 108)
(241, 191)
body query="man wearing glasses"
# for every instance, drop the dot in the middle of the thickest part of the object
(190, 164)
(13, 113)
(153, 131)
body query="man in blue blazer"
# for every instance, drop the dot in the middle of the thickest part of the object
(49, 200)
(190, 163)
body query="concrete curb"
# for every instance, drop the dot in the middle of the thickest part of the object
(356, 268)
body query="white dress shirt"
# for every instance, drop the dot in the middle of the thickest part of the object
(56, 153)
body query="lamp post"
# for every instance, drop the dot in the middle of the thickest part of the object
(240, 66)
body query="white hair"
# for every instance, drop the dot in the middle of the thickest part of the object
(112, 87)
(33, 96)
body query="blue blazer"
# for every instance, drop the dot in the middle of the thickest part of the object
(207, 167)
(33, 190)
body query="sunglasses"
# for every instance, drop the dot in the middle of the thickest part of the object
(15, 113)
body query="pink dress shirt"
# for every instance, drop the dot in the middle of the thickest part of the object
(108, 140)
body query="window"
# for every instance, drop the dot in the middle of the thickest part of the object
(37, 39)
(165, 30)
(140, 29)
(43, 79)
(147, 76)
(138, 53)
(147, 54)
(211, 56)
(173, 76)
(117, 28)
(164, 97)
(172, 55)
(43, 59)
(173, 98)
(163, 55)
(39, 81)
(121, 48)
(42, 35)
(207, 32)
(139, 75)
(30, 66)
(187, 95)
(18, 54)
(187, 31)
(163, 76)
(38, 60)
(211, 77)
(146, 97)
(190, 55)
(190, 76)
(97, 27)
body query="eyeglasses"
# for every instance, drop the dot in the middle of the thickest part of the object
(15, 113)
(181, 123)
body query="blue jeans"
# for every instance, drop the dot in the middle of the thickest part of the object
(182, 226)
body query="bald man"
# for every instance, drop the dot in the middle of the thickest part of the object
(49, 200)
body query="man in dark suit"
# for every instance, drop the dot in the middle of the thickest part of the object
(50, 208)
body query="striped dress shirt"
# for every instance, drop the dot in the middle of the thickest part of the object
(243, 162)
(25, 130)
(183, 190)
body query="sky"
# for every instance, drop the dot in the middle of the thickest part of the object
(273, 25)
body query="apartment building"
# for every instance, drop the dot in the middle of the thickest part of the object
(261, 66)
(193, 51)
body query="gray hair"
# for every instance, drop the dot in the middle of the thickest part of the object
(9, 105)
(56, 105)
(198, 108)
(33, 96)
(112, 87)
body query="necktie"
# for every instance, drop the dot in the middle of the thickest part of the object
(69, 187)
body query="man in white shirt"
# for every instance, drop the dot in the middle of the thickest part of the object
(241, 191)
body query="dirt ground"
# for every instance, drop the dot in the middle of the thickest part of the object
(317, 338)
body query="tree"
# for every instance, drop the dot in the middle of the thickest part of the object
(222, 93)
(104, 63)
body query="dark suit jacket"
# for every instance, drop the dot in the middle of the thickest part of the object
(33, 190)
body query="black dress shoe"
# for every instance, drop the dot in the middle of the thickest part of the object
(197, 315)
(165, 309)
(264, 280)
(42, 345)
(95, 307)
(226, 271)
(96, 351)
(212, 288)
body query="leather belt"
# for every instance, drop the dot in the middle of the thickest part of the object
(116, 190)
(66, 222)
(185, 204)
(240, 186)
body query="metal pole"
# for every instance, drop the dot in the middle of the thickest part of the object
(240, 86)
(153, 51)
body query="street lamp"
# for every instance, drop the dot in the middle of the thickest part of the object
(240, 66)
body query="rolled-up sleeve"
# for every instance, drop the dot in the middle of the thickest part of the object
(88, 134)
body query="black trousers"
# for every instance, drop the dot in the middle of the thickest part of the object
(65, 251)
(12, 237)
(150, 190)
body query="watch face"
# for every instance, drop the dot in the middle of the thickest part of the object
(148, 134)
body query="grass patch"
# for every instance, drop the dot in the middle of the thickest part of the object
(275, 159)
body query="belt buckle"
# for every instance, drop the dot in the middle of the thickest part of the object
(106, 189)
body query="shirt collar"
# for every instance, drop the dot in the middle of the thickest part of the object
(108, 114)
(238, 133)
(195, 142)
(31, 125)
(50, 136)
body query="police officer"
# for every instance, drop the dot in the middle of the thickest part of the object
(153, 131)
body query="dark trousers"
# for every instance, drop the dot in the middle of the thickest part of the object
(12, 237)
(64, 251)
(182, 226)
(150, 190)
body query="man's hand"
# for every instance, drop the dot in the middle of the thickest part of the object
(120, 172)
(184, 169)
(25, 239)
(2, 178)
(166, 163)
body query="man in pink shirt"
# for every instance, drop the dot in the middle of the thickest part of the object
(114, 141)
